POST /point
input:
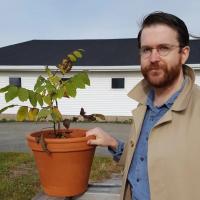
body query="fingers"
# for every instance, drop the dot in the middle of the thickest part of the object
(92, 142)
(94, 131)
(102, 138)
(90, 132)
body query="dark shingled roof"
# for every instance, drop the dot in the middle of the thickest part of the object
(102, 52)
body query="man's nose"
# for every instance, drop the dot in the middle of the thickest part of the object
(154, 57)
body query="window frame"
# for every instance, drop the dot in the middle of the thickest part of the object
(118, 85)
(16, 81)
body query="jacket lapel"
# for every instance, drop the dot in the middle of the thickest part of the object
(166, 118)
(138, 117)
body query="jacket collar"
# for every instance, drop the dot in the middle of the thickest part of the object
(140, 91)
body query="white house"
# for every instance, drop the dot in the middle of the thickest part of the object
(112, 64)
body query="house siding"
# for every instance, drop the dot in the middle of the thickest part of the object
(99, 97)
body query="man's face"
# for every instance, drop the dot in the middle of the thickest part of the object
(161, 56)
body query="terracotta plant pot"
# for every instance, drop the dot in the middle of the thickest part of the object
(65, 170)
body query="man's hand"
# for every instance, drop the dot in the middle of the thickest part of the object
(102, 138)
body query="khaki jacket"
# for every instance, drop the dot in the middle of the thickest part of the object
(173, 146)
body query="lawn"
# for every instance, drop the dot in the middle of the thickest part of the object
(19, 178)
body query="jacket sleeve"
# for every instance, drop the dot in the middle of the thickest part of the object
(118, 151)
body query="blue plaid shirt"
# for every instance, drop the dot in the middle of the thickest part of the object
(138, 172)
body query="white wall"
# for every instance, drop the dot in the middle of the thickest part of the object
(97, 98)
(101, 98)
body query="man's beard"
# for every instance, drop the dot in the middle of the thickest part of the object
(160, 76)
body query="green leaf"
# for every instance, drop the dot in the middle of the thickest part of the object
(48, 71)
(32, 114)
(72, 57)
(39, 99)
(39, 82)
(43, 113)
(22, 113)
(85, 77)
(62, 70)
(56, 115)
(5, 108)
(78, 82)
(78, 54)
(5, 89)
(11, 94)
(50, 87)
(32, 98)
(55, 80)
(23, 94)
(70, 89)
(47, 100)
(60, 93)
(40, 89)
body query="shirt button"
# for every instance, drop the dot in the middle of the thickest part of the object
(137, 179)
(151, 118)
(132, 143)
(141, 158)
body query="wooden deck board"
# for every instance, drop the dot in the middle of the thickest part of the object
(108, 190)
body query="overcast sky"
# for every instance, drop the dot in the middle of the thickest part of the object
(23, 20)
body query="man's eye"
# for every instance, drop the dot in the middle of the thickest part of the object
(163, 48)
(146, 50)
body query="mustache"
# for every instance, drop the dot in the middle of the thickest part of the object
(154, 67)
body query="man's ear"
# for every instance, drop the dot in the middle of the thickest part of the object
(185, 52)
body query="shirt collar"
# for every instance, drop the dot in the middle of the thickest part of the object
(168, 103)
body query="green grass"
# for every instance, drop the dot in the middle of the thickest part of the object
(103, 168)
(19, 178)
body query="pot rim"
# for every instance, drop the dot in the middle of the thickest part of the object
(31, 136)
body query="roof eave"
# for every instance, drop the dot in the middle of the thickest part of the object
(37, 68)
(75, 68)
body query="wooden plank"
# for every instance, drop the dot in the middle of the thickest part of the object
(107, 190)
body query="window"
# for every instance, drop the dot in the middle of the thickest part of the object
(15, 81)
(117, 83)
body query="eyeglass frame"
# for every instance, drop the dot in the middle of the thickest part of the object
(170, 47)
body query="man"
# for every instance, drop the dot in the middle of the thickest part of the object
(162, 155)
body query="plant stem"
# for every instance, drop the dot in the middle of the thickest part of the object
(58, 121)
(54, 127)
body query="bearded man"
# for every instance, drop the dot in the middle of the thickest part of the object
(161, 156)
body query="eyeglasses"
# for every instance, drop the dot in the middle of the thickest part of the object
(162, 50)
